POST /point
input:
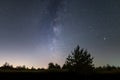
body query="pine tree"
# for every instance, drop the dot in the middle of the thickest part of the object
(79, 61)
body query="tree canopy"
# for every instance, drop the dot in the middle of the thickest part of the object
(53, 66)
(79, 61)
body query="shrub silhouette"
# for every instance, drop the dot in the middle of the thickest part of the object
(51, 66)
(21, 67)
(79, 61)
(6, 66)
(54, 67)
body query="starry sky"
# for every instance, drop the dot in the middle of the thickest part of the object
(36, 32)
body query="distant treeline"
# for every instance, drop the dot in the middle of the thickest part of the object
(78, 61)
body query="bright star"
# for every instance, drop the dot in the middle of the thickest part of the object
(104, 38)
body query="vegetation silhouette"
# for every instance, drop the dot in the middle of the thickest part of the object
(78, 64)
(6, 66)
(52, 66)
(79, 61)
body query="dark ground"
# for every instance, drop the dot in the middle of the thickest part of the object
(55, 76)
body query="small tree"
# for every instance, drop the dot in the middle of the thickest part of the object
(79, 61)
(53, 66)
(32, 68)
(6, 66)
(21, 67)
(57, 66)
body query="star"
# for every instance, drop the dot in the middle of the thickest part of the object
(104, 38)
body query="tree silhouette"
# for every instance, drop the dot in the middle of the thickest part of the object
(52, 66)
(6, 66)
(57, 66)
(21, 67)
(79, 61)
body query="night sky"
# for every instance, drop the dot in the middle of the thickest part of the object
(36, 32)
